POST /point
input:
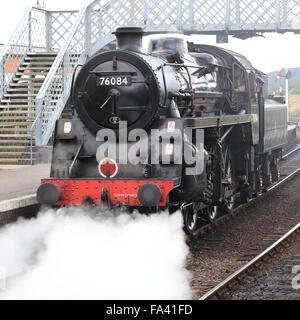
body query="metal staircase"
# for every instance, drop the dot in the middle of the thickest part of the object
(25, 62)
(18, 113)
(33, 109)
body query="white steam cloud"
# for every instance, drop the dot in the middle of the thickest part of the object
(70, 254)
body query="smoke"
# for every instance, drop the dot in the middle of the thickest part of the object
(73, 254)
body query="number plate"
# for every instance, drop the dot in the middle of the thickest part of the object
(114, 81)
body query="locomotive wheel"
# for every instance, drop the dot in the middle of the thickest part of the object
(212, 213)
(274, 170)
(256, 188)
(229, 200)
(245, 193)
(191, 219)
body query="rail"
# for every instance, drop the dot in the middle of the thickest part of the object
(218, 290)
(239, 274)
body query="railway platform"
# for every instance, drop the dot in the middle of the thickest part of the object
(19, 184)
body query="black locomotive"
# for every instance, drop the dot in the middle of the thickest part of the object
(175, 86)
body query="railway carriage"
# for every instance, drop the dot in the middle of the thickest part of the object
(211, 97)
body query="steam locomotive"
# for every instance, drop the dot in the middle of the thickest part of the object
(201, 92)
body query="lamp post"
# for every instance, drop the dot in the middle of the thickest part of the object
(286, 76)
(287, 95)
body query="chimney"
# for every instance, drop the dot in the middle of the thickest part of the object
(129, 38)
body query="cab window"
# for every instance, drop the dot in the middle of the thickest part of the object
(239, 79)
(252, 84)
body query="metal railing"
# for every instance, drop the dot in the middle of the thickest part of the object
(38, 31)
(54, 92)
(13, 53)
(32, 132)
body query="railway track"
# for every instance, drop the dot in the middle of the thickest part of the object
(221, 248)
(276, 279)
(238, 276)
(290, 152)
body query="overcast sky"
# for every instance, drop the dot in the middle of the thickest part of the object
(270, 53)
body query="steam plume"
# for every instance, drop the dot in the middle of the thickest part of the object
(72, 254)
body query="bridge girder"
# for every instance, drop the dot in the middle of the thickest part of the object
(240, 18)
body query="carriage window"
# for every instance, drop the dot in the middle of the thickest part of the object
(239, 81)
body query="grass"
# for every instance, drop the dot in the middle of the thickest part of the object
(294, 105)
